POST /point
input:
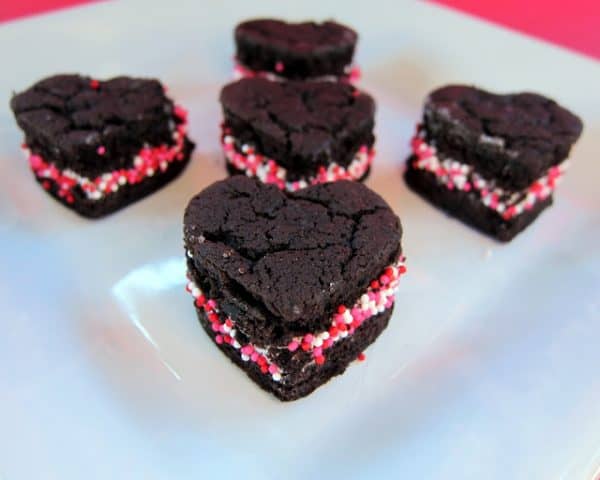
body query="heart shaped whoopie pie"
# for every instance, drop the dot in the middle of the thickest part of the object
(491, 160)
(273, 48)
(97, 146)
(295, 134)
(292, 286)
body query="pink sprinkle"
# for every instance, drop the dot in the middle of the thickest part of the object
(308, 338)
(415, 143)
(317, 352)
(247, 350)
(293, 346)
(273, 368)
(36, 162)
(101, 150)
(219, 339)
(355, 74)
(279, 67)
(254, 356)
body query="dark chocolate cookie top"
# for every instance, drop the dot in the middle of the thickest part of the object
(299, 123)
(66, 118)
(302, 37)
(514, 137)
(299, 255)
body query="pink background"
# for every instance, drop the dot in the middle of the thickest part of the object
(574, 24)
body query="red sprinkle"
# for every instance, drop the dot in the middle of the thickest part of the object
(95, 84)
(361, 357)
(320, 360)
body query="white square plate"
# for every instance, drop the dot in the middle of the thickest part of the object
(488, 370)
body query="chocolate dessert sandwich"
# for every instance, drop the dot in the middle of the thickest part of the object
(276, 50)
(492, 161)
(292, 287)
(296, 134)
(97, 146)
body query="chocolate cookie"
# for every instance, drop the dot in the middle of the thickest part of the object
(295, 134)
(97, 146)
(491, 160)
(275, 49)
(292, 286)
